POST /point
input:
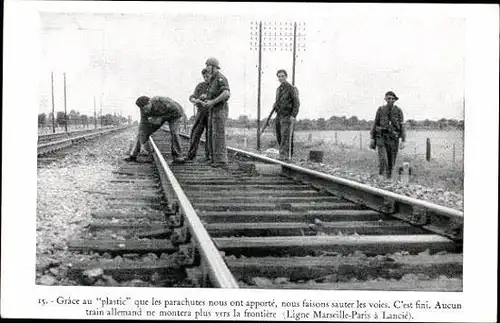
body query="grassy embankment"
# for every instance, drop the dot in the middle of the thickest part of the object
(433, 174)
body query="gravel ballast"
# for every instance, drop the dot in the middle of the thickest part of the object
(65, 200)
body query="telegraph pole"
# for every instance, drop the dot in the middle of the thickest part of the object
(65, 114)
(53, 113)
(259, 85)
(101, 111)
(95, 115)
(294, 51)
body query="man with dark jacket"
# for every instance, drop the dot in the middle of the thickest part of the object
(387, 129)
(154, 112)
(201, 120)
(287, 107)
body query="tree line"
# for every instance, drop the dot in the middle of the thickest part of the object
(351, 123)
(74, 118)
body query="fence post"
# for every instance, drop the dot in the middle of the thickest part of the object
(336, 140)
(428, 149)
(360, 140)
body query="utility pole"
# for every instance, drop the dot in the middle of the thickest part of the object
(276, 36)
(259, 85)
(53, 113)
(101, 110)
(65, 114)
(294, 51)
(95, 115)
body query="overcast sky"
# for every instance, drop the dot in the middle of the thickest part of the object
(348, 64)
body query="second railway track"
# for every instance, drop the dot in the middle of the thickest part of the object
(259, 225)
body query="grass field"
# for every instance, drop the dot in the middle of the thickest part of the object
(440, 172)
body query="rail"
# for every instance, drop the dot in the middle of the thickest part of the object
(48, 136)
(439, 219)
(452, 213)
(59, 144)
(218, 272)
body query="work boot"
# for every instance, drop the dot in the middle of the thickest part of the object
(220, 165)
(130, 159)
(178, 160)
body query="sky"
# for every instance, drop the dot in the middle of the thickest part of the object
(349, 61)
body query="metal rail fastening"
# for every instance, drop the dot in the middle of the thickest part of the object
(217, 270)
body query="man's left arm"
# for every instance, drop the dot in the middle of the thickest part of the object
(224, 96)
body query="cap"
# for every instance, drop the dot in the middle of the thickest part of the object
(390, 93)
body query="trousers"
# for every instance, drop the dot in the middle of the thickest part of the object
(147, 129)
(387, 148)
(200, 125)
(217, 134)
(285, 141)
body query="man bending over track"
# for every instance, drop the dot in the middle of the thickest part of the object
(155, 112)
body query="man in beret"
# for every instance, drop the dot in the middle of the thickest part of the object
(155, 112)
(385, 133)
(201, 120)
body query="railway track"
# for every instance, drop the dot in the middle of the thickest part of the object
(44, 138)
(262, 223)
(53, 142)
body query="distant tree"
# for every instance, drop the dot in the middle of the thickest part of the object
(107, 120)
(42, 119)
(352, 121)
(453, 123)
(84, 119)
(60, 118)
(50, 118)
(442, 123)
(426, 123)
(244, 121)
(321, 124)
(73, 117)
(412, 124)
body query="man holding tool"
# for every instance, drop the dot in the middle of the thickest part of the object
(287, 107)
(202, 117)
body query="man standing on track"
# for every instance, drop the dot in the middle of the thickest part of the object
(287, 107)
(154, 112)
(387, 129)
(218, 95)
(201, 121)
